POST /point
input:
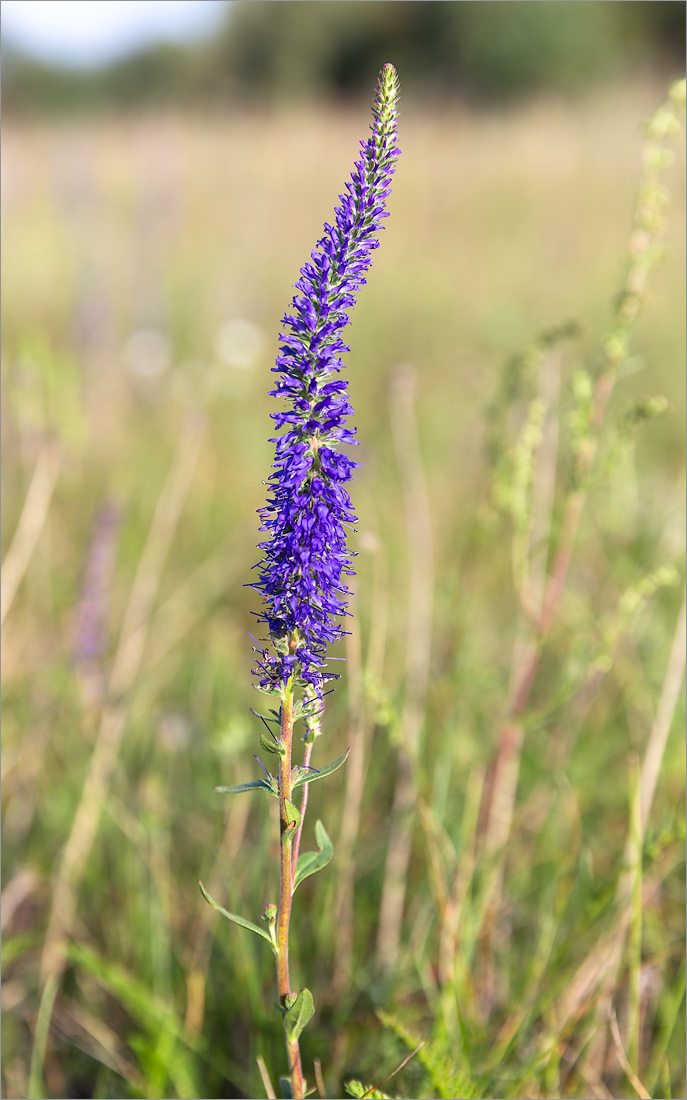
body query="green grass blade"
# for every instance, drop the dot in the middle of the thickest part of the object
(669, 1016)
(41, 1037)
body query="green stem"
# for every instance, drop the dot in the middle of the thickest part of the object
(287, 833)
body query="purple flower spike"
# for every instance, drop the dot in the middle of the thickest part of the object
(305, 556)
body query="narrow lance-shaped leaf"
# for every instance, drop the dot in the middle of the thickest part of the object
(236, 920)
(311, 775)
(255, 785)
(310, 862)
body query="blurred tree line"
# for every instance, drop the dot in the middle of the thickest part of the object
(270, 49)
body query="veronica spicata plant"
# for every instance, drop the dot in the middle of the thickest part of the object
(305, 556)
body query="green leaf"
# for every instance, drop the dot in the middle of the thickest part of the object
(256, 784)
(310, 862)
(311, 774)
(358, 1089)
(285, 1088)
(293, 814)
(448, 1079)
(270, 745)
(237, 920)
(161, 1028)
(298, 1015)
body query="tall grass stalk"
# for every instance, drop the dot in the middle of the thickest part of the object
(644, 252)
(417, 667)
(112, 725)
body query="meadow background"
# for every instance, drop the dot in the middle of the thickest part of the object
(507, 886)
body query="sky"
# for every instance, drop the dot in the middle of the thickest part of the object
(90, 32)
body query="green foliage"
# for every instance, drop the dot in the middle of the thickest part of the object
(314, 47)
(270, 745)
(239, 920)
(167, 1055)
(309, 775)
(439, 1060)
(310, 862)
(293, 814)
(269, 785)
(359, 1090)
(298, 1012)
(492, 50)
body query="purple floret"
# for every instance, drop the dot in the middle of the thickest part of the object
(305, 556)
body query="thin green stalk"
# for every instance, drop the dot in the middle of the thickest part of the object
(644, 251)
(287, 829)
(41, 1036)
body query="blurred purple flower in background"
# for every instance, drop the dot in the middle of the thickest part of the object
(89, 631)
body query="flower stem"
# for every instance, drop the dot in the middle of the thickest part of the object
(287, 833)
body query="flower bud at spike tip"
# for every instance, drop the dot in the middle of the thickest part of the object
(305, 556)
